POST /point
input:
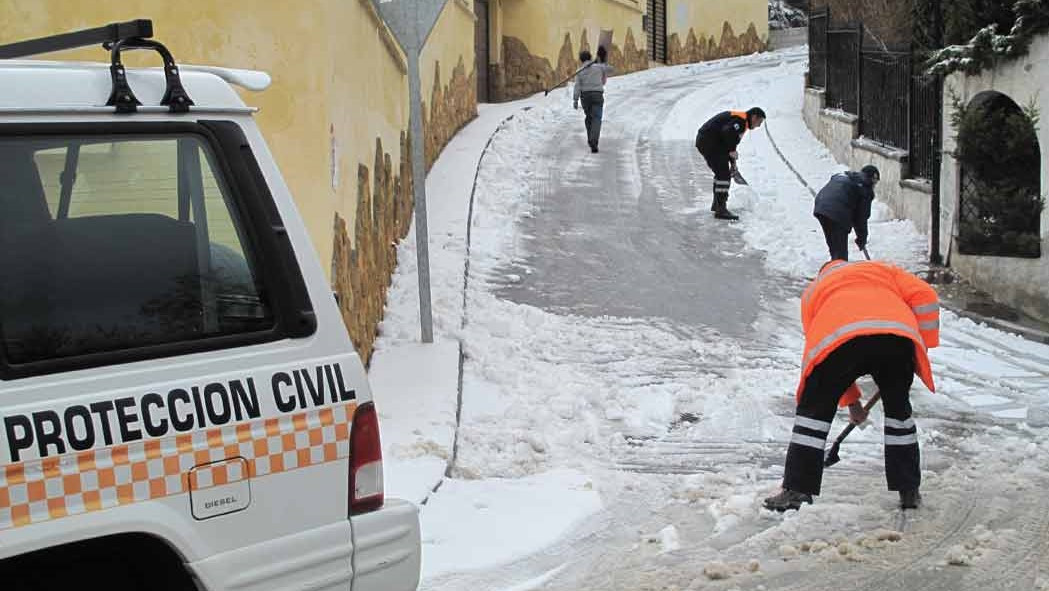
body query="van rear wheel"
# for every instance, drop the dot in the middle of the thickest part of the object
(135, 562)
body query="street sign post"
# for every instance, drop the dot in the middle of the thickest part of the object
(411, 22)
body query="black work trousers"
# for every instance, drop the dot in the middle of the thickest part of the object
(889, 359)
(721, 165)
(837, 237)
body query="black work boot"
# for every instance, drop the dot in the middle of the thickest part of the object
(910, 499)
(787, 499)
(725, 214)
(722, 212)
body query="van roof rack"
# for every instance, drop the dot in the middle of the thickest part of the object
(115, 37)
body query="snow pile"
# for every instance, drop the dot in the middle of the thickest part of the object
(667, 538)
(537, 510)
(718, 570)
(841, 547)
(968, 553)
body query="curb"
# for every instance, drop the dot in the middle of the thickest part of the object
(1031, 334)
(466, 278)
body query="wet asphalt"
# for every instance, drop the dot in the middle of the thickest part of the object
(628, 232)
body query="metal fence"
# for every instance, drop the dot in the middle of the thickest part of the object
(843, 70)
(926, 126)
(885, 97)
(895, 104)
(818, 25)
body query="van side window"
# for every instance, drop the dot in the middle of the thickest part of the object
(111, 244)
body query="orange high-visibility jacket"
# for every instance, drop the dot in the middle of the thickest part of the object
(848, 300)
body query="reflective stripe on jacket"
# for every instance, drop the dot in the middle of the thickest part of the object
(848, 300)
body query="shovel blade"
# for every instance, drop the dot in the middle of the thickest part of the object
(739, 178)
(831, 457)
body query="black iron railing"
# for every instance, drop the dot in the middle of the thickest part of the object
(926, 126)
(895, 102)
(885, 97)
(843, 70)
(818, 25)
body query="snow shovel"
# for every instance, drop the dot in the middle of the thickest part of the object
(561, 83)
(738, 177)
(831, 457)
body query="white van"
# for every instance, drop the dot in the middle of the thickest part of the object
(180, 404)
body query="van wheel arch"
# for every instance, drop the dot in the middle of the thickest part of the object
(122, 562)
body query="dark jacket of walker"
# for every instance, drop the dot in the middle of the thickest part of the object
(846, 200)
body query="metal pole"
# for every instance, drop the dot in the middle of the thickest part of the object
(826, 52)
(935, 257)
(411, 22)
(422, 250)
(859, 77)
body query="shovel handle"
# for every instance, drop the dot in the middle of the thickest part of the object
(848, 428)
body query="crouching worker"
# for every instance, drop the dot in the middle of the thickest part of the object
(862, 318)
(716, 141)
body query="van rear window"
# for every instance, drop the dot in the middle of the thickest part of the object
(111, 244)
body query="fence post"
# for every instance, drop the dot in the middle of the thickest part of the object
(935, 257)
(826, 53)
(911, 104)
(859, 78)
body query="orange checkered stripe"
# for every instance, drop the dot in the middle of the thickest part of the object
(73, 484)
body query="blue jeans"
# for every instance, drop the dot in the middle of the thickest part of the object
(594, 108)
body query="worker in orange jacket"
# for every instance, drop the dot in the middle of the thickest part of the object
(861, 318)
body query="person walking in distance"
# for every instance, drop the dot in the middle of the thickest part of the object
(716, 141)
(862, 318)
(590, 89)
(844, 205)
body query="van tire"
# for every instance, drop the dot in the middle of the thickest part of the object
(135, 562)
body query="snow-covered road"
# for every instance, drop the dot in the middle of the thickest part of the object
(630, 365)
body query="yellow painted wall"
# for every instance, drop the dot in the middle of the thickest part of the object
(318, 53)
(707, 17)
(370, 83)
(542, 24)
(495, 31)
(452, 38)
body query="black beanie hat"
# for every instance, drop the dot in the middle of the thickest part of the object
(871, 171)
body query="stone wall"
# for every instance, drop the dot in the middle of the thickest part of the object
(363, 261)
(784, 38)
(361, 271)
(522, 74)
(1020, 282)
(697, 49)
(449, 109)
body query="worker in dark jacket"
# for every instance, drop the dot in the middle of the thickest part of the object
(844, 205)
(716, 141)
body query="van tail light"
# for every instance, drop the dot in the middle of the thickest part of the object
(366, 485)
